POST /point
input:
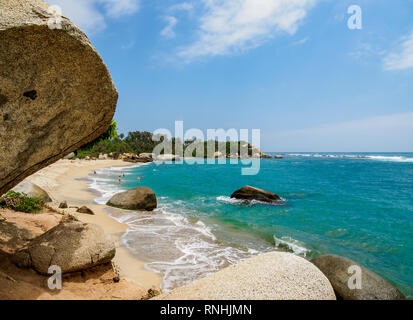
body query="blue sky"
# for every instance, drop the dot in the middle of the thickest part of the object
(291, 68)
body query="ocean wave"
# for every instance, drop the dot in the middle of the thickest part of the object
(243, 202)
(103, 184)
(349, 156)
(292, 245)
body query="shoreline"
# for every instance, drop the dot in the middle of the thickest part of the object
(67, 180)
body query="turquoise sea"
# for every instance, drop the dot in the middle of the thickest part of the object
(359, 206)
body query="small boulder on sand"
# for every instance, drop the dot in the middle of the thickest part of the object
(63, 205)
(251, 193)
(269, 276)
(85, 210)
(140, 198)
(70, 156)
(73, 246)
(32, 190)
(373, 287)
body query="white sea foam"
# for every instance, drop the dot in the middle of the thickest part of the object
(104, 182)
(234, 201)
(179, 250)
(291, 244)
(351, 156)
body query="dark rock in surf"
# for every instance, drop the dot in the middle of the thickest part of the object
(140, 198)
(251, 193)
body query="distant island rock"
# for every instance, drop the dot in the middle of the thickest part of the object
(56, 94)
(140, 198)
(251, 193)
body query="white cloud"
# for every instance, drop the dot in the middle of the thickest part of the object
(91, 15)
(402, 59)
(229, 26)
(301, 41)
(168, 31)
(117, 8)
(183, 6)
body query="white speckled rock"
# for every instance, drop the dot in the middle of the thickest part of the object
(269, 276)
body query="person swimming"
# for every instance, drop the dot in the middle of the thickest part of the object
(120, 180)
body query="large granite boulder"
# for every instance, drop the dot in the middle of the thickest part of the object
(140, 198)
(251, 193)
(32, 190)
(269, 276)
(73, 246)
(56, 94)
(373, 287)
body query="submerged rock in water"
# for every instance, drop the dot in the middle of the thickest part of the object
(56, 94)
(32, 190)
(340, 270)
(269, 276)
(73, 246)
(251, 193)
(140, 198)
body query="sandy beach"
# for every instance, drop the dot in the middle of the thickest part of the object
(65, 181)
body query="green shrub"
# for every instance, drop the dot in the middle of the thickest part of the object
(21, 202)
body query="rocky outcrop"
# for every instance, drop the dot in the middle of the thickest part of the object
(134, 158)
(167, 157)
(85, 210)
(147, 155)
(73, 246)
(56, 94)
(372, 286)
(140, 198)
(251, 193)
(33, 191)
(13, 236)
(269, 276)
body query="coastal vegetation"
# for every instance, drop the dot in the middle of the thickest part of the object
(21, 202)
(138, 142)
